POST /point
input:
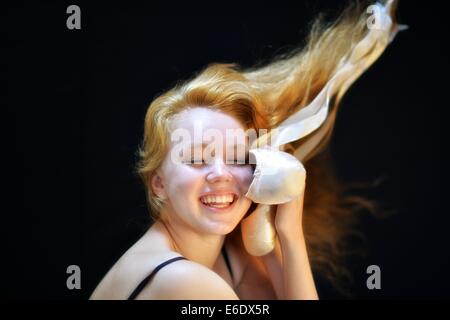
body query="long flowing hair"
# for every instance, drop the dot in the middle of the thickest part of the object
(262, 97)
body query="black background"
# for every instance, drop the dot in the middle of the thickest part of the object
(76, 99)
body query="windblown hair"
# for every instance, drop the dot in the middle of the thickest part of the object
(262, 97)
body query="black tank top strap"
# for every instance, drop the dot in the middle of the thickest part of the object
(147, 279)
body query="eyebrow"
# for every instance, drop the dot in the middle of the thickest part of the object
(233, 150)
(204, 144)
(195, 145)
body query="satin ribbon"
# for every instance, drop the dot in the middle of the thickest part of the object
(279, 177)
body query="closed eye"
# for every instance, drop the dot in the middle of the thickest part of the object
(194, 162)
(239, 161)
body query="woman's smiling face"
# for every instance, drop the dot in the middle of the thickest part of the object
(205, 176)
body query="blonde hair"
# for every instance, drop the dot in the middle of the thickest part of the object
(262, 97)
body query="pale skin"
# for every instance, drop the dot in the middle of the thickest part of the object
(189, 229)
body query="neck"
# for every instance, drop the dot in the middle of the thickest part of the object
(201, 248)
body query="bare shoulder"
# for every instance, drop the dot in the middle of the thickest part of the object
(187, 280)
(128, 272)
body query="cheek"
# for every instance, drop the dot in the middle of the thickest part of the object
(183, 182)
(244, 176)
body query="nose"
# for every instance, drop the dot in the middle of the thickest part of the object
(218, 172)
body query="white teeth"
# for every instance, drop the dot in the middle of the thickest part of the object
(225, 199)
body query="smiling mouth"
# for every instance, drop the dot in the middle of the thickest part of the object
(219, 201)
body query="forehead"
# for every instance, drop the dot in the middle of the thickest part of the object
(205, 117)
(202, 123)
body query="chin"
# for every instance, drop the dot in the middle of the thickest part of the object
(221, 229)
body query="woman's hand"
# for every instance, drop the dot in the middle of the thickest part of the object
(288, 265)
(289, 216)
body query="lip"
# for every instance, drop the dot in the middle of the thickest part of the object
(219, 210)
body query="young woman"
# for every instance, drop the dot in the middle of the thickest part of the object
(195, 248)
